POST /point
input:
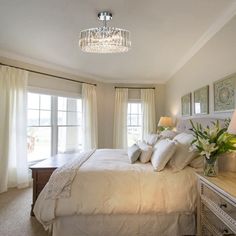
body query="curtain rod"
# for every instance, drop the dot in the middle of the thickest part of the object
(42, 73)
(135, 87)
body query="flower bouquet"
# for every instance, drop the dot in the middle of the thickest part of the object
(211, 142)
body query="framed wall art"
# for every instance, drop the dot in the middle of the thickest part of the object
(186, 105)
(224, 94)
(201, 101)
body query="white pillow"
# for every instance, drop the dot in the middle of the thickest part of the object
(183, 155)
(184, 138)
(133, 153)
(151, 139)
(168, 134)
(163, 152)
(146, 152)
(197, 162)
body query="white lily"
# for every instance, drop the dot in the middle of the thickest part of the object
(212, 132)
(207, 147)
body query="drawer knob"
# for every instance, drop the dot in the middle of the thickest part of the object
(225, 231)
(223, 205)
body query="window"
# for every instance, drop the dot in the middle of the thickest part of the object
(54, 125)
(134, 122)
(39, 130)
(69, 120)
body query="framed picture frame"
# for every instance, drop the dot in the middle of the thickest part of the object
(186, 105)
(224, 94)
(201, 101)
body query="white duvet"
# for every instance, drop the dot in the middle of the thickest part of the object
(106, 183)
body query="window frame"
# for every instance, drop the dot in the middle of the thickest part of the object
(137, 114)
(56, 118)
(54, 115)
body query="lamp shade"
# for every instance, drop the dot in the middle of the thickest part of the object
(165, 121)
(232, 124)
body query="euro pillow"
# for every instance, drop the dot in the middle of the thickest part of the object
(146, 152)
(133, 153)
(164, 150)
(197, 162)
(184, 154)
(151, 139)
(170, 134)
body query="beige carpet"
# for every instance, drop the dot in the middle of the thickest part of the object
(15, 219)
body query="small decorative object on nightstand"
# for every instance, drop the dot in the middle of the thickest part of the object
(216, 213)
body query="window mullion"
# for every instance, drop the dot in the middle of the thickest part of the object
(54, 140)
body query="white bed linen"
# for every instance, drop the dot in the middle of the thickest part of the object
(108, 184)
(174, 224)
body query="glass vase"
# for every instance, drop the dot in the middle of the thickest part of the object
(211, 166)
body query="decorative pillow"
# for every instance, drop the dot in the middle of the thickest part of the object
(183, 155)
(163, 152)
(197, 162)
(151, 139)
(170, 134)
(146, 152)
(133, 153)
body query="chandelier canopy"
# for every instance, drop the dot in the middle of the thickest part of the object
(105, 39)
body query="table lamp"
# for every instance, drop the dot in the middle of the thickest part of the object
(232, 124)
(165, 122)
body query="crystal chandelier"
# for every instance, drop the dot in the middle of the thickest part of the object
(105, 39)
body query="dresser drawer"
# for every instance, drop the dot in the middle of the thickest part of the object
(207, 231)
(220, 201)
(39, 188)
(43, 176)
(215, 225)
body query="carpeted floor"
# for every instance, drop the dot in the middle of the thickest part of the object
(15, 219)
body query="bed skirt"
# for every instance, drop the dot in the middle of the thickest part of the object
(125, 225)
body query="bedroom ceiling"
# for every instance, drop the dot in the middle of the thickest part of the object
(164, 34)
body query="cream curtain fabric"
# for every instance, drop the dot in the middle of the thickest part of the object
(13, 126)
(149, 111)
(89, 103)
(120, 118)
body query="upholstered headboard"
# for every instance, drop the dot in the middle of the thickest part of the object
(183, 125)
(227, 162)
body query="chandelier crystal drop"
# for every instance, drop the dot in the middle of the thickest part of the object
(105, 39)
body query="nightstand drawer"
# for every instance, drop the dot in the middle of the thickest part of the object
(213, 224)
(220, 201)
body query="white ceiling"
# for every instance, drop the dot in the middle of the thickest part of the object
(165, 35)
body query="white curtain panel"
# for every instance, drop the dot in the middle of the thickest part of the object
(13, 128)
(89, 103)
(149, 111)
(120, 118)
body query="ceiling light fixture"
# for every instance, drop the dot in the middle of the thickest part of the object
(105, 39)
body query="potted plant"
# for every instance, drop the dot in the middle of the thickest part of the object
(211, 142)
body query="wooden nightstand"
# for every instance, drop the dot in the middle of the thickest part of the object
(42, 171)
(217, 204)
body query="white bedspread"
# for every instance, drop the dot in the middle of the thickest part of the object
(108, 184)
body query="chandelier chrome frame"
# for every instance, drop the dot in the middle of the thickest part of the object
(105, 39)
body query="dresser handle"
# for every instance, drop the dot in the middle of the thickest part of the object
(223, 205)
(225, 231)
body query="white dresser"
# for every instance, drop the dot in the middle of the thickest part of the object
(216, 213)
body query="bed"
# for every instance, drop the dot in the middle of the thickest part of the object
(102, 194)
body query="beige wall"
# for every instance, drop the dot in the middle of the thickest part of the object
(105, 96)
(106, 99)
(216, 60)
